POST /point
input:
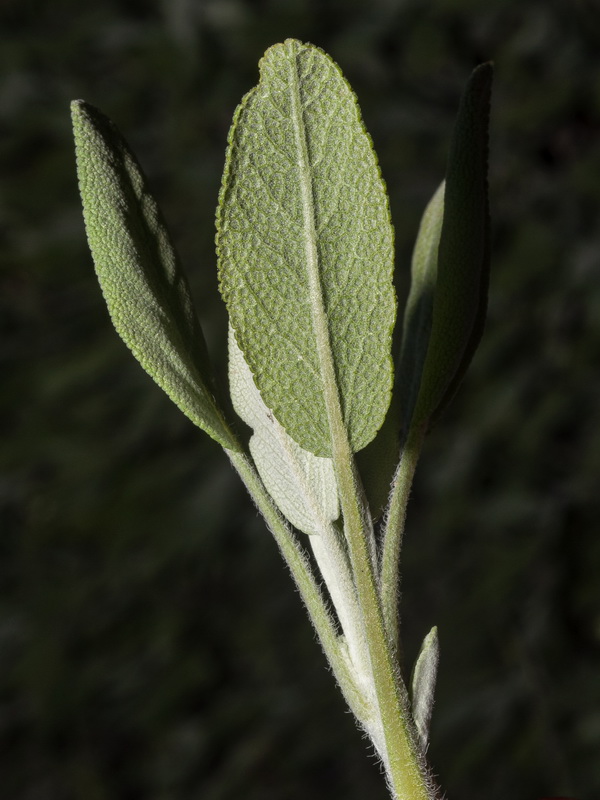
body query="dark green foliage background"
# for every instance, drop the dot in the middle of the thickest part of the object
(151, 644)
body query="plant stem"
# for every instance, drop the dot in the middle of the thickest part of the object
(394, 530)
(304, 579)
(405, 769)
(402, 761)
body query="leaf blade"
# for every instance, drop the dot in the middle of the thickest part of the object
(462, 266)
(146, 292)
(423, 684)
(302, 265)
(419, 305)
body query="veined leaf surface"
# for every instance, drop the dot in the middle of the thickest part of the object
(140, 275)
(305, 248)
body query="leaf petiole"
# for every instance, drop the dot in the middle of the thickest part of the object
(303, 576)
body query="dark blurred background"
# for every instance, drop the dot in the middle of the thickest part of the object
(151, 643)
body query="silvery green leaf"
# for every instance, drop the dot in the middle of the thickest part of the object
(423, 684)
(146, 292)
(305, 248)
(460, 274)
(301, 484)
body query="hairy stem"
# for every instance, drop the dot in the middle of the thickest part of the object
(402, 762)
(304, 579)
(394, 530)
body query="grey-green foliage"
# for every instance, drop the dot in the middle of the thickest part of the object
(305, 238)
(305, 247)
(143, 284)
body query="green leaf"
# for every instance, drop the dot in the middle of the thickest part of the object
(419, 305)
(461, 275)
(302, 485)
(423, 684)
(305, 248)
(140, 275)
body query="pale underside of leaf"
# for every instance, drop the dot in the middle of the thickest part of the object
(306, 248)
(301, 484)
(304, 488)
(146, 292)
(423, 684)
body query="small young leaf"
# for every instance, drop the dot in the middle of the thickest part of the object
(423, 684)
(301, 484)
(461, 274)
(142, 281)
(306, 248)
(419, 305)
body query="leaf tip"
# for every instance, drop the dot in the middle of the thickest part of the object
(77, 113)
(80, 111)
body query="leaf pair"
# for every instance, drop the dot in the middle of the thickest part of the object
(305, 258)
(306, 254)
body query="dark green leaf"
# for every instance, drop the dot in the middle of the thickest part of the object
(461, 276)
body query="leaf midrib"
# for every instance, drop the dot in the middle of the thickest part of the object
(313, 266)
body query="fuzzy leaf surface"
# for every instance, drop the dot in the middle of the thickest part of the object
(146, 292)
(423, 684)
(305, 248)
(302, 485)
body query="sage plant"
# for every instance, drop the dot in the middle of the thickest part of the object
(305, 249)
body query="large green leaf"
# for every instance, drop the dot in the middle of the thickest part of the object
(306, 248)
(460, 273)
(142, 281)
